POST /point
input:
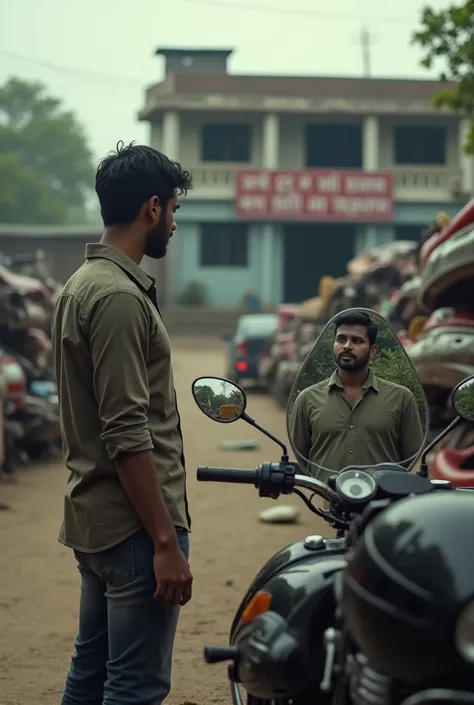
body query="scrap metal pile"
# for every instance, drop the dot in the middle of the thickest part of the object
(426, 292)
(30, 420)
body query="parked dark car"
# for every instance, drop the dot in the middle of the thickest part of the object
(278, 346)
(246, 344)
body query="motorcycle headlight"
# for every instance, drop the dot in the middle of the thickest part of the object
(464, 633)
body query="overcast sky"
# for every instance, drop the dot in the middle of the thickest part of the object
(215, 385)
(97, 55)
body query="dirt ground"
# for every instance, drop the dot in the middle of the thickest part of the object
(39, 582)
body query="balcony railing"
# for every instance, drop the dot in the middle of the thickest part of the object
(213, 182)
(410, 183)
(426, 183)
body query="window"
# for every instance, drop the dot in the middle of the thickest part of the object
(334, 145)
(226, 143)
(420, 145)
(224, 245)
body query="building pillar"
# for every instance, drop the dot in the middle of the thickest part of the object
(167, 267)
(170, 134)
(271, 141)
(370, 147)
(156, 134)
(270, 160)
(268, 263)
(466, 160)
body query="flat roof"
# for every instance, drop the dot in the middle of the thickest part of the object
(169, 51)
(349, 88)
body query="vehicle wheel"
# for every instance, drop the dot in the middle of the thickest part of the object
(35, 449)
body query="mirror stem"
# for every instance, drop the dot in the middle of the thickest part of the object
(423, 464)
(252, 422)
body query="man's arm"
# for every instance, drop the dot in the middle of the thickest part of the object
(118, 338)
(411, 431)
(298, 428)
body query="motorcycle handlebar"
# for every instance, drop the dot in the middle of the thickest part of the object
(254, 477)
(206, 473)
(272, 480)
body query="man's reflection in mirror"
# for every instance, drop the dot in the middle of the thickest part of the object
(354, 417)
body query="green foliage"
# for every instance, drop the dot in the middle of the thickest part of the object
(207, 397)
(204, 394)
(193, 294)
(24, 196)
(447, 36)
(45, 165)
(464, 401)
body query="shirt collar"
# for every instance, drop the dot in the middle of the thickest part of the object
(370, 381)
(134, 271)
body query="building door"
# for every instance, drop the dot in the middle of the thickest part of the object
(311, 252)
(409, 232)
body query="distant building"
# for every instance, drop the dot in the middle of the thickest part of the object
(260, 219)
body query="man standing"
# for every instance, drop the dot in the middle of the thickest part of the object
(354, 417)
(125, 510)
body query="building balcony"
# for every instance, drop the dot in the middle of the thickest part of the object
(419, 183)
(213, 182)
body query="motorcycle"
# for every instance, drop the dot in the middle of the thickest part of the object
(380, 614)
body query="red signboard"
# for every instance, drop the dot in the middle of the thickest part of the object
(324, 195)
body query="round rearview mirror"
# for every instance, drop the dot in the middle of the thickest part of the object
(220, 399)
(463, 399)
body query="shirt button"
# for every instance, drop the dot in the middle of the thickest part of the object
(351, 451)
(352, 426)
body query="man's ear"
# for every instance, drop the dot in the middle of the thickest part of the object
(373, 351)
(154, 209)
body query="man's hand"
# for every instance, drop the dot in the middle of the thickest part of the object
(173, 576)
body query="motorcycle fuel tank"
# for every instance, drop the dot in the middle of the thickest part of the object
(281, 653)
(291, 556)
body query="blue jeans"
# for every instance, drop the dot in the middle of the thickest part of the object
(124, 647)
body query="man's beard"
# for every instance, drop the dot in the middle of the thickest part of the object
(157, 240)
(354, 364)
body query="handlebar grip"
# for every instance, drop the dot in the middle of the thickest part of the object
(241, 477)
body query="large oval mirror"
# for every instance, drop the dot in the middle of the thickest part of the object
(463, 399)
(357, 399)
(218, 398)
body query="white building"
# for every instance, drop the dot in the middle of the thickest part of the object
(295, 175)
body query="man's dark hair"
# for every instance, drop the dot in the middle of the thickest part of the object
(358, 318)
(130, 176)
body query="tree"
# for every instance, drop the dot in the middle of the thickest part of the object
(448, 36)
(235, 397)
(24, 195)
(204, 395)
(45, 164)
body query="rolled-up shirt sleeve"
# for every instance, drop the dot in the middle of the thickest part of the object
(298, 429)
(118, 333)
(412, 433)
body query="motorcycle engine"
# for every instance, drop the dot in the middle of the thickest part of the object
(366, 683)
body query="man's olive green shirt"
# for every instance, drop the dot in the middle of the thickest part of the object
(383, 426)
(116, 395)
